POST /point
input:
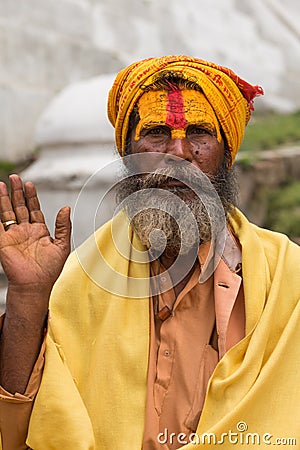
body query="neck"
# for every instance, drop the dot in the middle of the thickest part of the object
(182, 271)
(169, 257)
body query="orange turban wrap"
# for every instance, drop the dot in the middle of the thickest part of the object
(230, 97)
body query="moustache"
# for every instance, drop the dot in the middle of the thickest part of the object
(177, 179)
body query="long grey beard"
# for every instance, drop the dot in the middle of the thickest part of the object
(164, 223)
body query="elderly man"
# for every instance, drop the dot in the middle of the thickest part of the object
(139, 352)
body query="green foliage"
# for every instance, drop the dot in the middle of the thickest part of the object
(246, 160)
(284, 210)
(5, 169)
(266, 131)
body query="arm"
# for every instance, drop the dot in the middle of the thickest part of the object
(15, 410)
(21, 338)
(32, 261)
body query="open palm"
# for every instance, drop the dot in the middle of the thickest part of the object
(28, 254)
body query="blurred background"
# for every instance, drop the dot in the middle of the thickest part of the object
(58, 59)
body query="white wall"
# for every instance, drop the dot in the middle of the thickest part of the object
(44, 45)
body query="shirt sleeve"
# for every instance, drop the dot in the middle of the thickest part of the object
(15, 409)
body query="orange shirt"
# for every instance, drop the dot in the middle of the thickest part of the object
(205, 321)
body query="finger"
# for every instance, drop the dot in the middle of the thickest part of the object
(6, 208)
(63, 228)
(33, 204)
(18, 199)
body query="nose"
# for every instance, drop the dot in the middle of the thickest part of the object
(179, 148)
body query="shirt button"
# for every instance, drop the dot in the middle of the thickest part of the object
(167, 353)
(163, 279)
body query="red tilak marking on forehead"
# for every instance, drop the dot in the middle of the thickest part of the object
(175, 110)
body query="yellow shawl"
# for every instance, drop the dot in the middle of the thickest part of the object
(93, 390)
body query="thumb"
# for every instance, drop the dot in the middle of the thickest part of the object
(63, 228)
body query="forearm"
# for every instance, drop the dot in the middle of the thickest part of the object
(22, 336)
(15, 409)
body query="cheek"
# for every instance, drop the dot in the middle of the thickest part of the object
(142, 146)
(136, 145)
(209, 157)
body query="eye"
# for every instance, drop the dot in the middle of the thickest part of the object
(159, 130)
(198, 130)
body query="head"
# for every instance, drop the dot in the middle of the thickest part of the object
(174, 116)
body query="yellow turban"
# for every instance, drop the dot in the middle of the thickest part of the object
(230, 97)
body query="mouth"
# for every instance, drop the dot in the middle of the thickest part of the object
(172, 183)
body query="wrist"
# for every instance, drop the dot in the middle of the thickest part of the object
(33, 290)
(28, 301)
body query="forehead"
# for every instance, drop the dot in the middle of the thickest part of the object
(175, 107)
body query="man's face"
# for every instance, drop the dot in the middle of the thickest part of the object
(180, 123)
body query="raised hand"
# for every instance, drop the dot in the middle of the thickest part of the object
(28, 254)
(32, 261)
